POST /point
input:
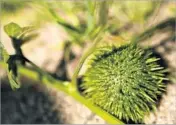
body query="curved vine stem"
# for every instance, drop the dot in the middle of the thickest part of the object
(82, 60)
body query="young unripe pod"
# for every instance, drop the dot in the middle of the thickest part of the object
(124, 81)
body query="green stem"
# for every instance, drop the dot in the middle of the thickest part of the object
(37, 68)
(65, 87)
(81, 62)
(103, 12)
(106, 116)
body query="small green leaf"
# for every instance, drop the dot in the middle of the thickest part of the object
(14, 81)
(12, 29)
(4, 55)
(26, 30)
(27, 34)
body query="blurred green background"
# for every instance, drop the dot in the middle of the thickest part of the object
(66, 28)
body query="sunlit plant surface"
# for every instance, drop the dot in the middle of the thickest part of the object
(123, 79)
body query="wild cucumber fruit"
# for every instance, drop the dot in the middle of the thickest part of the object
(124, 81)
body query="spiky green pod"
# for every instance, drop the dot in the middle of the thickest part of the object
(124, 81)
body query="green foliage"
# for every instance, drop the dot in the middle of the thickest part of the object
(12, 29)
(20, 34)
(87, 27)
(13, 78)
(137, 11)
(124, 81)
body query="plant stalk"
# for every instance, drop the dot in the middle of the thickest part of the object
(82, 60)
(64, 86)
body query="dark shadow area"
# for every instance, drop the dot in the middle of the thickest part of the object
(13, 6)
(79, 82)
(28, 105)
(131, 122)
(163, 43)
(163, 63)
(61, 72)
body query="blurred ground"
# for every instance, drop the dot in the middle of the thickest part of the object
(38, 104)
